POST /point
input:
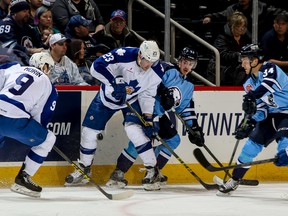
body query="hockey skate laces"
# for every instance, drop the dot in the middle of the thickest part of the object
(31, 182)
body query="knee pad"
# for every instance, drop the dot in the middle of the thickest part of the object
(282, 143)
(131, 150)
(89, 138)
(250, 150)
(44, 148)
(136, 134)
(173, 143)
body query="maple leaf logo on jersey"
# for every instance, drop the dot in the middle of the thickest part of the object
(248, 87)
(132, 87)
(120, 52)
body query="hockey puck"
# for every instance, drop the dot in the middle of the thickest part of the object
(100, 136)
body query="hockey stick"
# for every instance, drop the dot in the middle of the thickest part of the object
(146, 124)
(119, 196)
(231, 158)
(207, 165)
(243, 182)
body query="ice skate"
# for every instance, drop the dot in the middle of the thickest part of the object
(117, 180)
(76, 178)
(24, 185)
(228, 187)
(163, 179)
(151, 181)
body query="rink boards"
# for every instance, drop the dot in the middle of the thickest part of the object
(219, 112)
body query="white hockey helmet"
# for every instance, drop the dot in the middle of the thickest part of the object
(39, 60)
(150, 51)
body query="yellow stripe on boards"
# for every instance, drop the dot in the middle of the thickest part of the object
(177, 174)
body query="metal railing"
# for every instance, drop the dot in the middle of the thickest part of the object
(184, 30)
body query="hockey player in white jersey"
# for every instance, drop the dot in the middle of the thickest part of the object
(127, 74)
(174, 91)
(27, 102)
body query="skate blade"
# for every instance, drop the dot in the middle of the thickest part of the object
(24, 191)
(115, 184)
(83, 182)
(221, 194)
(152, 187)
(79, 184)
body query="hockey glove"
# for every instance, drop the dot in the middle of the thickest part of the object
(152, 130)
(245, 128)
(167, 99)
(119, 92)
(196, 136)
(249, 103)
(282, 157)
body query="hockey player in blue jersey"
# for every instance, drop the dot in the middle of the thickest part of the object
(175, 92)
(27, 102)
(126, 74)
(266, 108)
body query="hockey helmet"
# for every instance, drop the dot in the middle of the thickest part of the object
(189, 54)
(40, 60)
(150, 51)
(252, 50)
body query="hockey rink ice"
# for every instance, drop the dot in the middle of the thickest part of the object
(171, 200)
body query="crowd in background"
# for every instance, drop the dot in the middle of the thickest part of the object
(27, 28)
(63, 37)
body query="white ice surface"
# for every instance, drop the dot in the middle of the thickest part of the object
(176, 200)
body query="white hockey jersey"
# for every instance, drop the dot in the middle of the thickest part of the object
(26, 92)
(141, 85)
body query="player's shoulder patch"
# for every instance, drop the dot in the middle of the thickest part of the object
(248, 87)
(125, 54)
(120, 52)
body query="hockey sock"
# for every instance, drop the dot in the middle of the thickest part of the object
(161, 161)
(124, 163)
(238, 173)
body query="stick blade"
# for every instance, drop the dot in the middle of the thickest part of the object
(211, 186)
(203, 161)
(248, 182)
(123, 195)
(252, 182)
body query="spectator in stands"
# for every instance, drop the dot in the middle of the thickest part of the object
(78, 28)
(266, 15)
(116, 33)
(17, 34)
(229, 45)
(63, 10)
(275, 42)
(64, 71)
(44, 26)
(34, 5)
(76, 52)
(4, 6)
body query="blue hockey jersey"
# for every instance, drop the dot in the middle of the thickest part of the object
(182, 93)
(271, 90)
